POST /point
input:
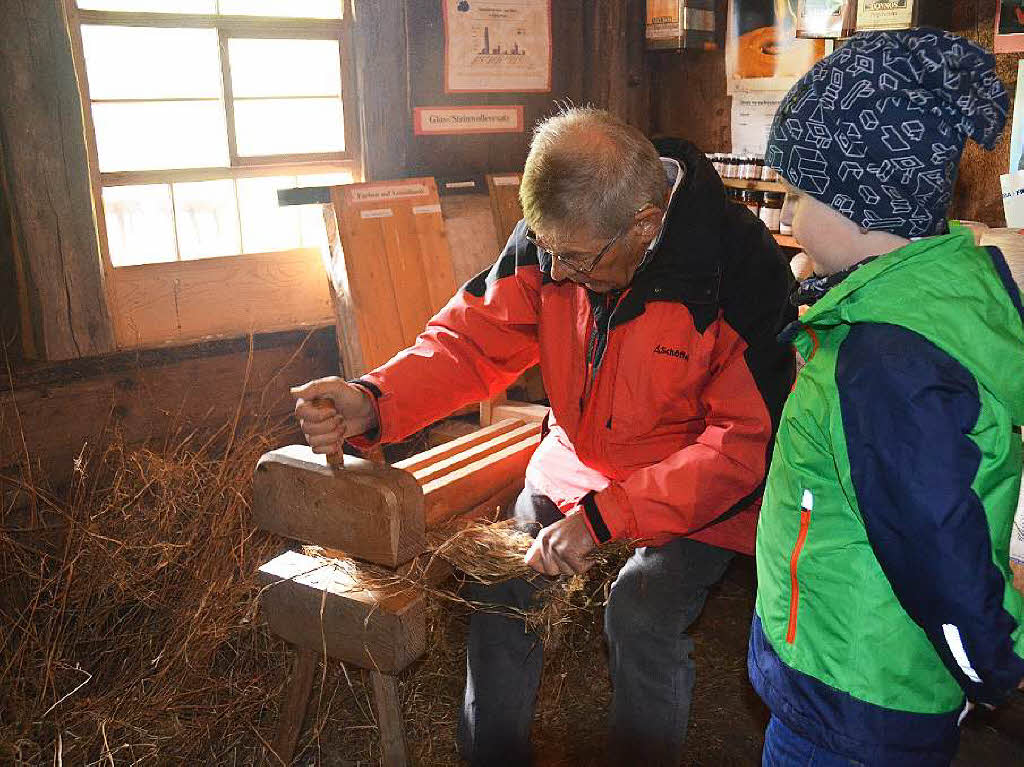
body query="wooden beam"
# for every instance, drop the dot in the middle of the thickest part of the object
(522, 410)
(442, 468)
(319, 605)
(453, 493)
(447, 450)
(368, 510)
(42, 129)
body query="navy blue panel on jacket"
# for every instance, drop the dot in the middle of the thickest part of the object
(845, 724)
(907, 410)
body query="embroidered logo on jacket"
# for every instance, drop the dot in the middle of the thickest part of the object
(677, 353)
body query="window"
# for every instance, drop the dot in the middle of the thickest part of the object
(199, 112)
(202, 111)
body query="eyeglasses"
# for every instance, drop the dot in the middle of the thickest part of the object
(575, 263)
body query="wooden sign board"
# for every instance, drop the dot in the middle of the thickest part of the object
(390, 267)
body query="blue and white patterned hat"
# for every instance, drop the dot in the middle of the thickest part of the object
(876, 130)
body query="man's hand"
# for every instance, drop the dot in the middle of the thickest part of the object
(352, 413)
(561, 548)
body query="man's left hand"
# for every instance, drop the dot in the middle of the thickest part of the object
(561, 548)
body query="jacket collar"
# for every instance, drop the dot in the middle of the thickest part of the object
(684, 264)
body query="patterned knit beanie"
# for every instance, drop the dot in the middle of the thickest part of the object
(876, 130)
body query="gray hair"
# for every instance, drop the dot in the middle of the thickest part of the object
(588, 168)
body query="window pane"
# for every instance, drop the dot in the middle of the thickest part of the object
(285, 67)
(140, 225)
(266, 226)
(288, 126)
(207, 217)
(153, 136)
(310, 9)
(149, 63)
(312, 216)
(166, 6)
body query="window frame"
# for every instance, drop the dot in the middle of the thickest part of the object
(309, 304)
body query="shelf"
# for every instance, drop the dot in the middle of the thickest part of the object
(786, 240)
(758, 186)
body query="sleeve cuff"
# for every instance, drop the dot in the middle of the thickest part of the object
(598, 529)
(371, 438)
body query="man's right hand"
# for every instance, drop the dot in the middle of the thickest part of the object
(350, 412)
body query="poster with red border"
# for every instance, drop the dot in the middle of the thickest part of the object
(493, 46)
(447, 120)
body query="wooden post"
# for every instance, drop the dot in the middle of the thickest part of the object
(381, 76)
(48, 186)
(389, 720)
(293, 712)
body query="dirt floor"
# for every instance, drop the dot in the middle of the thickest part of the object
(727, 721)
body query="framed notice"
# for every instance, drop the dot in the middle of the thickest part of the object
(885, 14)
(497, 45)
(430, 121)
(1010, 26)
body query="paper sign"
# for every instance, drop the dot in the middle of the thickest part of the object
(497, 45)
(752, 116)
(377, 213)
(378, 193)
(420, 210)
(506, 180)
(446, 120)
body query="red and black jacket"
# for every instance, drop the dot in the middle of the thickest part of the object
(664, 399)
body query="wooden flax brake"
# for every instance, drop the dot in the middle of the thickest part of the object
(386, 240)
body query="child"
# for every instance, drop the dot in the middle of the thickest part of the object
(884, 594)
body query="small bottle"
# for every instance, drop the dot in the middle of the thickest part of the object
(771, 211)
(752, 201)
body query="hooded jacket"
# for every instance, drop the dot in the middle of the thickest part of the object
(884, 592)
(664, 398)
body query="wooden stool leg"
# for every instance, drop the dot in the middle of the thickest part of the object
(389, 719)
(293, 712)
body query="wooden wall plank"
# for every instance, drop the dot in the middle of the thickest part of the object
(615, 38)
(189, 300)
(10, 317)
(47, 174)
(149, 396)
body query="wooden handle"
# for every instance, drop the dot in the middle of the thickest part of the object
(336, 458)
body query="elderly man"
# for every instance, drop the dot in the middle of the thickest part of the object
(652, 304)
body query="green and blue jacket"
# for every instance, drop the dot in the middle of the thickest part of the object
(885, 599)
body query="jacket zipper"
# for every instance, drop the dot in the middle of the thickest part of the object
(590, 370)
(794, 592)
